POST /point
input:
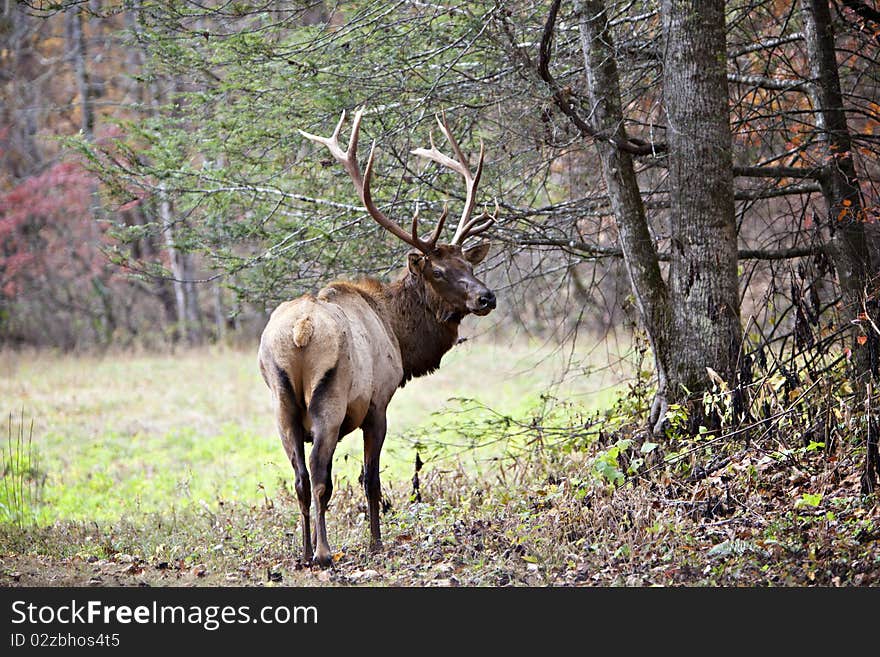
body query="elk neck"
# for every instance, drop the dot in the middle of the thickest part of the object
(426, 327)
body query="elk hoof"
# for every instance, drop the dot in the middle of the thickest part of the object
(324, 560)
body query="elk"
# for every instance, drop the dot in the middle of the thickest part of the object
(334, 360)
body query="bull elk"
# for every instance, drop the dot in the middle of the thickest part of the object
(334, 360)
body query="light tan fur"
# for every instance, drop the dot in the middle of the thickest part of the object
(347, 337)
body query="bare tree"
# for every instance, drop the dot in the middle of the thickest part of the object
(637, 245)
(841, 191)
(703, 268)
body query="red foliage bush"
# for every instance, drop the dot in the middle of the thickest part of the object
(48, 232)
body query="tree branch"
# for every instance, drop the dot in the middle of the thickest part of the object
(757, 194)
(767, 83)
(562, 96)
(648, 52)
(765, 45)
(596, 251)
(863, 10)
(777, 172)
(781, 254)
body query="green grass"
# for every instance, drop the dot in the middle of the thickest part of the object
(22, 481)
(122, 435)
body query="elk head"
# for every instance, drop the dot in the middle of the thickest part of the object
(446, 269)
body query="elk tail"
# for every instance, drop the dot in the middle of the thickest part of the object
(302, 332)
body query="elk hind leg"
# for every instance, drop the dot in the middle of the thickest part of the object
(325, 435)
(292, 434)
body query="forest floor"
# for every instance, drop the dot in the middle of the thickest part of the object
(165, 471)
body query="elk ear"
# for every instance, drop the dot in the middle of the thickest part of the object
(415, 261)
(476, 254)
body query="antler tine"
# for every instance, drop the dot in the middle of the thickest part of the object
(439, 227)
(433, 153)
(415, 223)
(466, 226)
(348, 160)
(444, 128)
(339, 123)
(431, 243)
(348, 157)
(461, 231)
(474, 227)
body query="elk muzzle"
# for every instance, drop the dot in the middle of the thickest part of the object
(482, 302)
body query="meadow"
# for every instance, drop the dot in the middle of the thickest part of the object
(119, 435)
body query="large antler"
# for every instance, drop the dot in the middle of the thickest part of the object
(467, 227)
(348, 160)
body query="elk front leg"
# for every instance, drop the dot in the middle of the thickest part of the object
(374, 435)
(293, 438)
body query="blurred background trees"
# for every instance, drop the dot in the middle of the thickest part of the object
(187, 205)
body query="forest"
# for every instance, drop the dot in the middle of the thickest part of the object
(677, 384)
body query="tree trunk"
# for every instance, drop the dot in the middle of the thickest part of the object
(636, 242)
(194, 321)
(144, 214)
(703, 281)
(693, 322)
(840, 188)
(177, 273)
(219, 312)
(106, 322)
(185, 293)
(78, 41)
(189, 318)
(850, 251)
(20, 156)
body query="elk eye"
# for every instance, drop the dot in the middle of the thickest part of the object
(437, 273)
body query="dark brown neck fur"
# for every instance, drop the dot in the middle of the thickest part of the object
(426, 328)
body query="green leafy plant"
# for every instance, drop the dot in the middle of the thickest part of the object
(607, 465)
(676, 418)
(808, 500)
